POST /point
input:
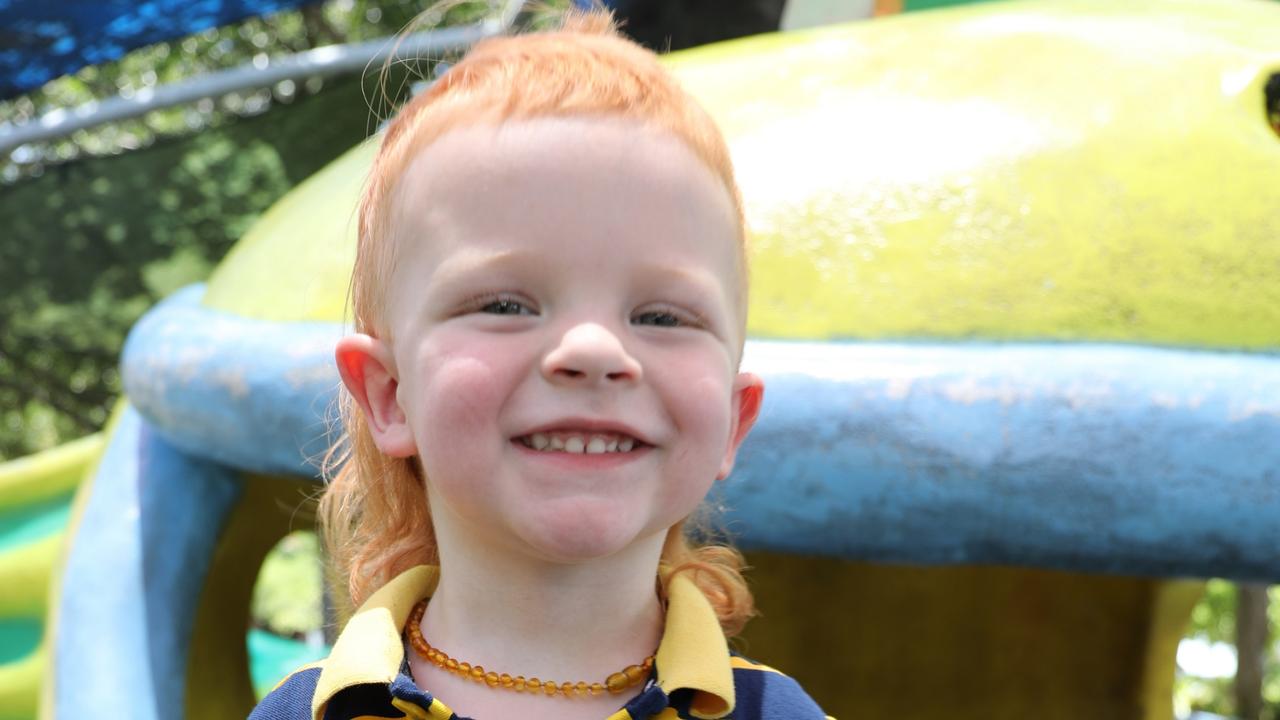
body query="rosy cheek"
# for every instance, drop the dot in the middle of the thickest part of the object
(704, 413)
(461, 399)
(463, 390)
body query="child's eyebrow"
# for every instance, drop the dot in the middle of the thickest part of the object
(664, 274)
(472, 260)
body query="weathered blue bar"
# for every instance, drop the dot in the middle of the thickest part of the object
(1101, 458)
(134, 575)
(255, 395)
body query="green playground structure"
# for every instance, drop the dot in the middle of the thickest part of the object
(35, 504)
(37, 499)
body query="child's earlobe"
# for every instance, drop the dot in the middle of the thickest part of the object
(368, 371)
(748, 394)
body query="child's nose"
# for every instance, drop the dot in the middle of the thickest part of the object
(589, 353)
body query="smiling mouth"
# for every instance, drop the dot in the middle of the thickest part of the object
(580, 443)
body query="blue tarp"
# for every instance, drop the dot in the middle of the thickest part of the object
(44, 39)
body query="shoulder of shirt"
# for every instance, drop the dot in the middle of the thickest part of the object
(290, 699)
(764, 693)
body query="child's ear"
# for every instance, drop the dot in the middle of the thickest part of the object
(748, 393)
(368, 370)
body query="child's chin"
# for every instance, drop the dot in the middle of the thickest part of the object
(586, 539)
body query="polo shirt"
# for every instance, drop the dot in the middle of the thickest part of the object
(695, 675)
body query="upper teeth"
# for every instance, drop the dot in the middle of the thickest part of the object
(571, 442)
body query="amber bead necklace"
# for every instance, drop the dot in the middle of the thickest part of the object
(616, 683)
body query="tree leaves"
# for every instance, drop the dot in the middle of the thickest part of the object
(99, 226)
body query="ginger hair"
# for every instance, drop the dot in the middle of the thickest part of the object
(374, 513)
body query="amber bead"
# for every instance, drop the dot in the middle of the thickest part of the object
(616, 682)
(634, 674)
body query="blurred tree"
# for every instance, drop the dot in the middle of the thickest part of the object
(1214, 620)
(100, 225)
(1251, 648)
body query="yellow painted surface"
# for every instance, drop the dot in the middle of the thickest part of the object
(25, 572)
(1170, 613)
(972, 643)
(19, 685)
(1079, 169)
(1067, 170)
(294, 263)
(218, 674)
(47, 475)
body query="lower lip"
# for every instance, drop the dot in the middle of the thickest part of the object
(582, 461)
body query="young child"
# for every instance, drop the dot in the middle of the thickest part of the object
(549, 299)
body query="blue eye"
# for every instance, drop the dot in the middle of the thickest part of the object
(505, 306)
(657, 318)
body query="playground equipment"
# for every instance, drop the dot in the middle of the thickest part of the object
(1011, 301)
(35, 500)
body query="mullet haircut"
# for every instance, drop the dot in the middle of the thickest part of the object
(374, 513)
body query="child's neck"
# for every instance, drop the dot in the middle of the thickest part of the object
(556, 621)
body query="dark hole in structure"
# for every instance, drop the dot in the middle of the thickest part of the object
(1271, 93)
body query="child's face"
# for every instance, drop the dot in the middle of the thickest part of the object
(563, 281)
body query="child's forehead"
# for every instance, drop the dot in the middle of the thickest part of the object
(514, 147)
(532, 164)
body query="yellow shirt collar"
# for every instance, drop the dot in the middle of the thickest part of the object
(693, 654)
(370, 649)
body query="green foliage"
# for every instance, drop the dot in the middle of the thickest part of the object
(1214, 617)
(90, 245)
(101, 225)
(1210, 695)
(287, 597)
(1214, 620)
(253, 40)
